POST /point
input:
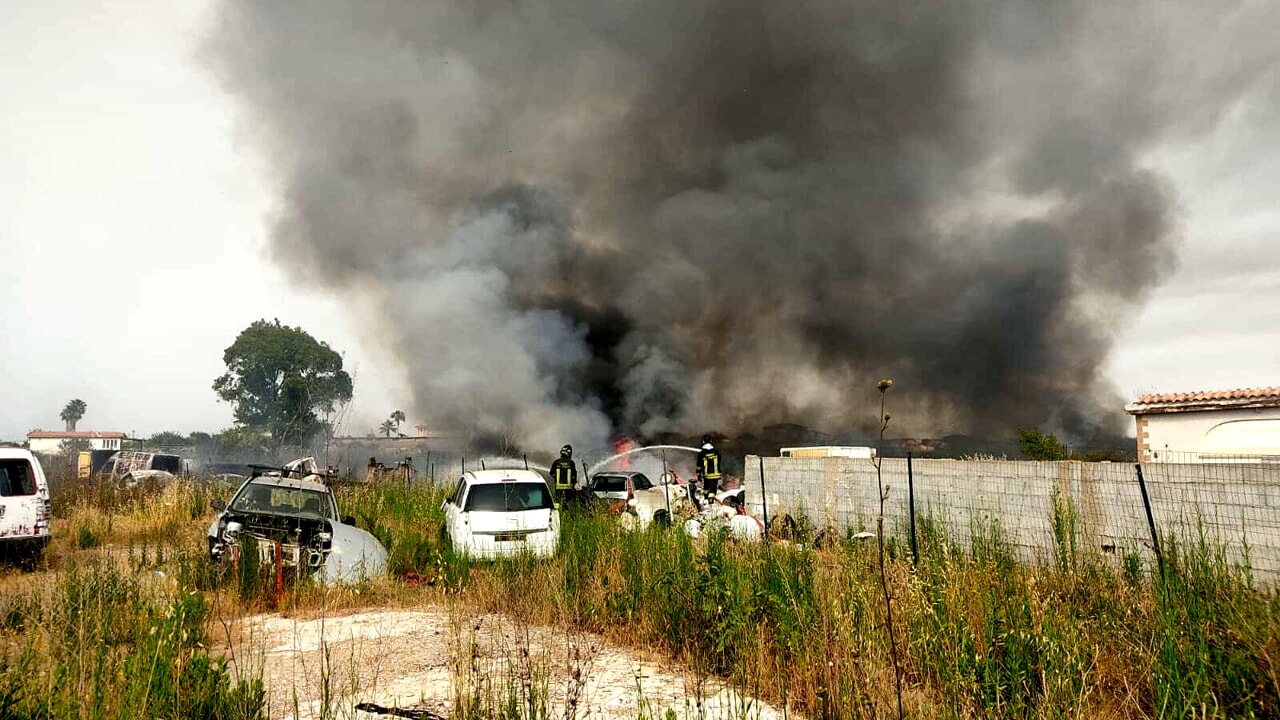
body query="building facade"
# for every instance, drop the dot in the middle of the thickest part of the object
(1211, 426)
(49, 442)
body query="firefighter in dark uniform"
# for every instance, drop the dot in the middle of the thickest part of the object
(709, 468)
(565, 473)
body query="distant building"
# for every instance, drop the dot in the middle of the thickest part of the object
(1212, 426)
(48, 441)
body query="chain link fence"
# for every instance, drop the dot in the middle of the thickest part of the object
(1232, 508)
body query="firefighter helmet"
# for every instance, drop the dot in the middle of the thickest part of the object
(566, 452)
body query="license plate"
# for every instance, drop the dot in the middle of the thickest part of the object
(509, 537)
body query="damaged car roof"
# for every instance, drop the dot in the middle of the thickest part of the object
(295, 483)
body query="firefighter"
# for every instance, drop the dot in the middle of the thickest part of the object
(564, 472)
(709, 468)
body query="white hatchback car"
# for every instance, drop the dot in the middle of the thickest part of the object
(502, 513)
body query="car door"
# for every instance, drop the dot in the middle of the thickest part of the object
(453, 508)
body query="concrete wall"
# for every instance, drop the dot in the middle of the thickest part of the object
(1183, 436)
(1232, 503)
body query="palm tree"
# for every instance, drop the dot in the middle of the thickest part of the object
(387, 428)
(72, 413)
(397, 417)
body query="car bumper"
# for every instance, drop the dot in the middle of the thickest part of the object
(23, 545)
(489, 547)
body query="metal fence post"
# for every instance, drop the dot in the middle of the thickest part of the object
(911, 511)
(666, 486)
(1151, 520)
(764, 499)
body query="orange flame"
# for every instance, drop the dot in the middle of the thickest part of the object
(622, 444)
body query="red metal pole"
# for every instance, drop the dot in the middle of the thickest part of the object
(279, 572)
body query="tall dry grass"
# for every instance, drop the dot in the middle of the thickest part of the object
(980, 634)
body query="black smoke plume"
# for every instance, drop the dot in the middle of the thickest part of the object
(572, 218)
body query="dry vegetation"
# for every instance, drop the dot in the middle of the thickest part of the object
(128, 619)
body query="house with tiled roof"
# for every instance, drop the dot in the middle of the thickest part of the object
(1208, 426)
(50, 441)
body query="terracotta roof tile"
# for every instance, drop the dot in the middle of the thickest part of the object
(77, 435)
(1211, 395)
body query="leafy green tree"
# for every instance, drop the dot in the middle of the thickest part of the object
(1036, 445)
(168, 438)
(281, 379)
(397, 417)
(72, 413)
(241, 441)
(200, 439)
(387, 428)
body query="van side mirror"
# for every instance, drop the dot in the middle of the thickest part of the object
(217, 505)
(349, 520)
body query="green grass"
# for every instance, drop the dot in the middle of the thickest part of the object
(99, 642)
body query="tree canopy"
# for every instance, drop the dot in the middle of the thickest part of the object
(167, 438)
(72, 413)
(281, 379)
(1038, 445)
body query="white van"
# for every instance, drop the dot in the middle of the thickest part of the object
(24, 505)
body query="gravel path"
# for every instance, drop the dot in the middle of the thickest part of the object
(416, 659)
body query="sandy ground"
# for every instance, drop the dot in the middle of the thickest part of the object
(417, 659)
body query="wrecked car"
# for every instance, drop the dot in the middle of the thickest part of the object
(134, 467)
(633, 494)
(24, 506)
(726, 513)
(295, 508)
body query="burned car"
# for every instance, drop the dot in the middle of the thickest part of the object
(295, 508)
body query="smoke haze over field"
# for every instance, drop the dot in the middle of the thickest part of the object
(572, 218)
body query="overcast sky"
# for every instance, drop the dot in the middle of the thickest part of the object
(133, 216)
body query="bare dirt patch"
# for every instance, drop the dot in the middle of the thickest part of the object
(423, 659)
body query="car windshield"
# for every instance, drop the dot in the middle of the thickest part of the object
(610, 483)
(509, 497)
(282, 500)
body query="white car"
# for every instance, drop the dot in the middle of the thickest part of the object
(502, 513)
(24, 505)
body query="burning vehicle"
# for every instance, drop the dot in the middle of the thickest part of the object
(291, 513)
(631, 494)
